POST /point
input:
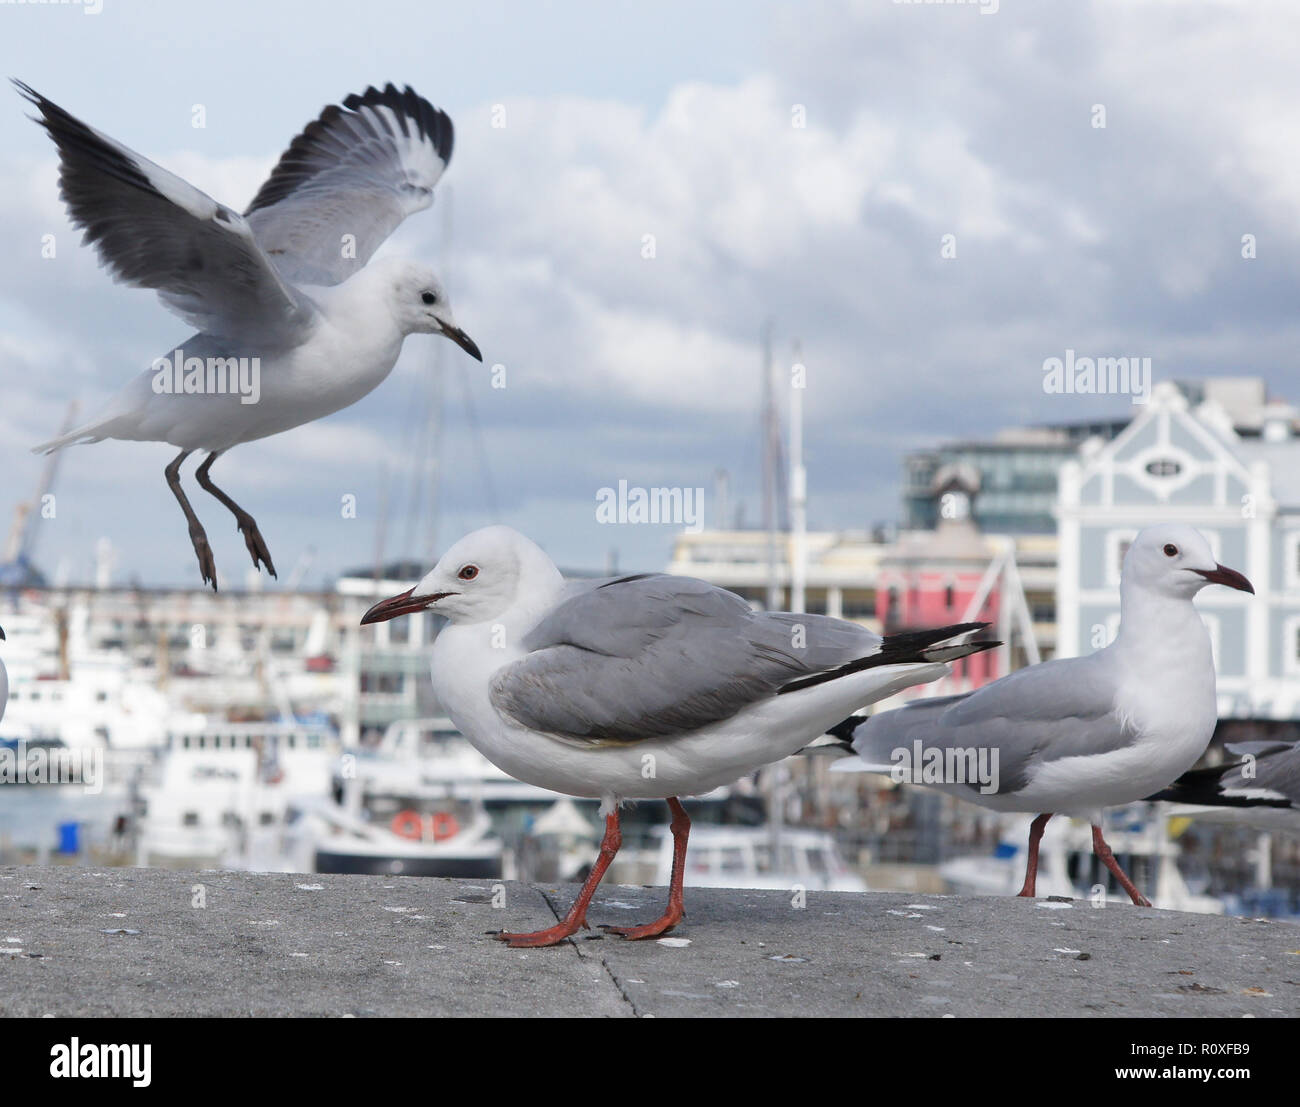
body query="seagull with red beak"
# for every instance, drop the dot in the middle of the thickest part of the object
(1076, 735)
(641, 687)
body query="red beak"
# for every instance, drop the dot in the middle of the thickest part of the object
(402, 604)
(1222, 575)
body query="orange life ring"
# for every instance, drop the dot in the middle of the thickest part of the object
(408, 824)
(443, 825)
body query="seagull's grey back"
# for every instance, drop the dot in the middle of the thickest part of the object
(632, 658)
(1061, 708)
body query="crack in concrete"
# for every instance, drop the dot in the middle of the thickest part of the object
(580, 943)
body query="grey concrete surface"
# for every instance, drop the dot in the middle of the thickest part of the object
(147, 942)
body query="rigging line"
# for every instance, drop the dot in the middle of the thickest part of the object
(480, 448)
(413, 425)
(414, 470)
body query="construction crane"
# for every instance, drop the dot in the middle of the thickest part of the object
(16, 568)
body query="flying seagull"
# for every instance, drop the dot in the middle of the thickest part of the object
(284, 288)
(1076, 735)
(640, 687)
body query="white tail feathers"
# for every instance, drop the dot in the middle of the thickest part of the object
(89, 432)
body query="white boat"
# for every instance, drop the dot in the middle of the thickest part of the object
(426, 760)
(336, 841)
(743, 857)
(222, 792)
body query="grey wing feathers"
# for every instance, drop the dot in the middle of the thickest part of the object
(1275, 769)
(1039, 714)
(638, 658)
(154, 230)
(357, 171)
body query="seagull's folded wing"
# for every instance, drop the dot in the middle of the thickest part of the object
(154, 230)
(348, 180)
(1059, 709)
(648, 656)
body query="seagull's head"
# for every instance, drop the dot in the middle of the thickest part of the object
(477, 580)
(1176, 560)
(421, 306)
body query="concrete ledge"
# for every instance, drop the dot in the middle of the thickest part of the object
(272, 944)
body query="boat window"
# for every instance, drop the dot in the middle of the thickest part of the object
(732, 860)
(191, 818)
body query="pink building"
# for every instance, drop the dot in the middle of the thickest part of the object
(933, 578)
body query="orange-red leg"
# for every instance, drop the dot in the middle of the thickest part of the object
(681, 828)
(1102, 850)
(577, 915)
(1036, 829)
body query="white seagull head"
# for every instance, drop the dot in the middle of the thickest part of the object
(1175, 560)
(419, 302)
(478, 579)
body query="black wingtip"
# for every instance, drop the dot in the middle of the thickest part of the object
(1204, 788)
(407, 106)
(844, 730)
(912, 647)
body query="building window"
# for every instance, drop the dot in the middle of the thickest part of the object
(1291, 646)
(1117, 544)
(1291, 561)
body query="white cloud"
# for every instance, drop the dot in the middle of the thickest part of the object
(920, 122)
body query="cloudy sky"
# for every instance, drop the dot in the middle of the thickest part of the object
(676, 120)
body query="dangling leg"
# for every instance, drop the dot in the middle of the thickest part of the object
(1036, 829)
(1102, 850)
(207, 566)
(681, 827)
(247, 524)
(578, 912)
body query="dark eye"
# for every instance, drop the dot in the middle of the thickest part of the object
(468, 572)
(429, 297)
(1171, 550)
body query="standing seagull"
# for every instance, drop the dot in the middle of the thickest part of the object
(286, 283)
(640, 687)
(1076, 735)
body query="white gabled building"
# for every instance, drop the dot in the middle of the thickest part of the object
(1228, 465)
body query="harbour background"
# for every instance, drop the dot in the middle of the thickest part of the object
(266, 728)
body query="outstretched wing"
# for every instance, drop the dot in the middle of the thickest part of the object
(348, 180)
(154, 230)
(643, 657)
